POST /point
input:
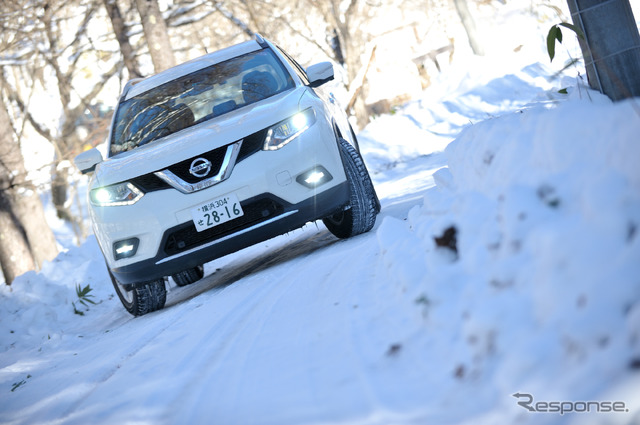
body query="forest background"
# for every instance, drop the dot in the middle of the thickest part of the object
(64, 63)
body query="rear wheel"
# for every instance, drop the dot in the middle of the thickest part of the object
(141, 298)
(360, 214)
(187, 277)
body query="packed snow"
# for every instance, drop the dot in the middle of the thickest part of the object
(505, 263)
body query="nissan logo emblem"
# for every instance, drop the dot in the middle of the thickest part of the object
(200, 167)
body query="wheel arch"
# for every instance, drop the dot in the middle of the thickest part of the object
(350, 137)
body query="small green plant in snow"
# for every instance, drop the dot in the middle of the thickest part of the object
(555, 34)
(84, 298)
(17, 385)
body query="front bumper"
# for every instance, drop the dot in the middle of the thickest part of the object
(264, 181)
(268, 216)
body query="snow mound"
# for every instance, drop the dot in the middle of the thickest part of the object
(43, 306)
(526, 253)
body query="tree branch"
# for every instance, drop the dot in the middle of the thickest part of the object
(309, 39)
(237, 22)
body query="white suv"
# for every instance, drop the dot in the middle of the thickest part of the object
(215, 155)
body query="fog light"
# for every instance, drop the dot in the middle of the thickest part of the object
(126, 248)
(315, 177)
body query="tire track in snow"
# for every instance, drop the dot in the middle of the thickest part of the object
(251, 332)
(280, 250)
(233, 334)
(206, 349)
(353, 307)
(134, 349)
(83, 408)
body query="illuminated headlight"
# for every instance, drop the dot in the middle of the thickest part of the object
(287, 130)
(115, 195)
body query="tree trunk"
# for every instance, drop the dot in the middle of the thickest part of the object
(120, 31)
(351, 46)
(470, 26)
(155, 32)
(611, 48)
(25, 238)
(353, 65)
(15, 255)
(42, 242)
(347, 43)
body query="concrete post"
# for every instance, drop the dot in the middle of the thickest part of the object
(611, 48)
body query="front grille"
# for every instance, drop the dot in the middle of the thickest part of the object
(181, 169)
(185, 236)
(149, 183)
(250, 145)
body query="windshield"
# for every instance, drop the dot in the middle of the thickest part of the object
(198, 97)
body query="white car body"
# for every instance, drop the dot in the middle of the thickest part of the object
(138, 235)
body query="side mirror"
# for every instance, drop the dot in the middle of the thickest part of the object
(320, 73)
(87, 161)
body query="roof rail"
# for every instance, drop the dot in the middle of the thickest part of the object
(260, 40)
(132, 82)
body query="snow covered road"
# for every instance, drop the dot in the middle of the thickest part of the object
(541, 298)
(258, 340)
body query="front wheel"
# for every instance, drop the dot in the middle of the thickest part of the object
(187, 277)
(360, 214)
(142, 298)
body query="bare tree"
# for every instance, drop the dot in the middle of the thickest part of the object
(67, 140)
(15, 255)
(470, 26)
(25, 237)
(26, 240)
(120, 30)
(348, 42)
(45, 51)
(219, 6)
(156, 35)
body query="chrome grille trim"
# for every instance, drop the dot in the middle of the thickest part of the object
(226, 168)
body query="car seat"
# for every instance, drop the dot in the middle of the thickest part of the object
(258, 85)
(180, 118)
(224, 107)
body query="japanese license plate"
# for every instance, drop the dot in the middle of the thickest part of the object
(216, 211)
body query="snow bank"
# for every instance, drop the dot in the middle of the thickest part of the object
(542, 293)
(44, 306)
(471, 91)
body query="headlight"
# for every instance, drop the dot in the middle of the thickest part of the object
(287, 130)
(115, 195)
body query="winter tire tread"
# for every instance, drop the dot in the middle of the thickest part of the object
(189, 276)
(144, 298)
(360, 215)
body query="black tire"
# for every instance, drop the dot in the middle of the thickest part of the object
(360, 214)
(142, 298)
(187, 277)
